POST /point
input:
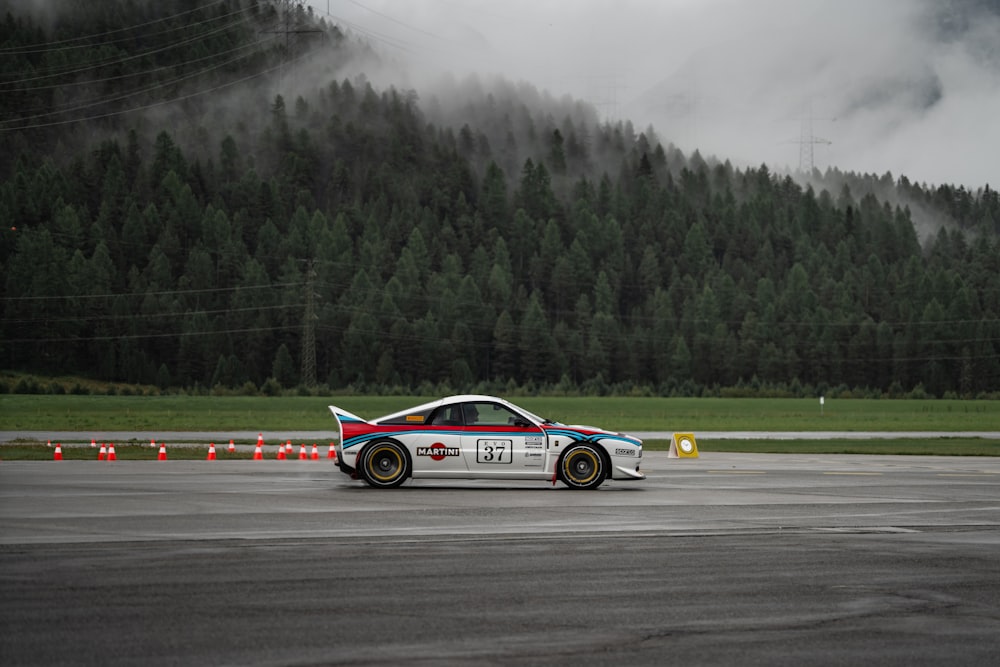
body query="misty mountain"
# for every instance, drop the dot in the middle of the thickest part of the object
(959, 20)
(235, 196)
(908, 87)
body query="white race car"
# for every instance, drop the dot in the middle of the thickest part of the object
(480, 437)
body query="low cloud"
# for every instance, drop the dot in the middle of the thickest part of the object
(910, 87)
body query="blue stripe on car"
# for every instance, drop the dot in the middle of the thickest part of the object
(576, 435)
(592, 437)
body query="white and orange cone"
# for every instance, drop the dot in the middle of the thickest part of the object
(93, 443)
(232, 447)
(111, 452)
(162, 455)
(315, 453)
(302, 453)
(152, 444)
(288, 448)
(332, 454)
(57, 455)
(258, 454)
(103, 453)
(211, 451)
(281, 452)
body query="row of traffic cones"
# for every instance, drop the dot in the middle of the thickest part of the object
(285, 451)
(107, 453)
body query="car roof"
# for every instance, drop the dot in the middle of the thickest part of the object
(448, 400)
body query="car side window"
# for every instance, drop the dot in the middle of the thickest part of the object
(449, 415)
(488, 414)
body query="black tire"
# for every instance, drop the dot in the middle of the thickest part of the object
(384, 464)
(582, 467)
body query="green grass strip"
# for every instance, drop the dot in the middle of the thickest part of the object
(223, 414)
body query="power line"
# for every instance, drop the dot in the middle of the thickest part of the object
(152, 105)
(146, 73)
(100, 36)
(79, 67)
(89, 319)
(107, 100)
(175, 334)
(235, 288)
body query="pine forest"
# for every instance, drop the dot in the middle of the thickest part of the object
(191, 201)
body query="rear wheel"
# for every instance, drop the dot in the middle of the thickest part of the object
(384, 465)
(582, 467)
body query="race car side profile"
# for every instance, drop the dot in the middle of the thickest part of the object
(480, 437)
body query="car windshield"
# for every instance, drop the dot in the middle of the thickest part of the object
(535, 418)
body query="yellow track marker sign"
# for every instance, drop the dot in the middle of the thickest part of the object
(683, 446)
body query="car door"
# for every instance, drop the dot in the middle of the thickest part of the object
(437, 448)
(497, 441)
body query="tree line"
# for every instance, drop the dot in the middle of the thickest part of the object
(357, 237)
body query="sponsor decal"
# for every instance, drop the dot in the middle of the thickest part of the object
(438, 451)
(621, 451)
(532, 455)
(415, 418)
(532, 441)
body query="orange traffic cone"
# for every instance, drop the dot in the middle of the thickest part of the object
(111, 452)
(302, 453)
(211, 451)
(332, 454)
(57, 456)
(93, 443)
(288, 448)
(162, 456)
(48, 443)
(101, 455)
(152, 444)
(315, 453)
(260, 439)
(281, 452)
(258, 455)
(232, 447)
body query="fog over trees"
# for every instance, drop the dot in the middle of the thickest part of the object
(195, 198)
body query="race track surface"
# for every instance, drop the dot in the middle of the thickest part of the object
(724, 559)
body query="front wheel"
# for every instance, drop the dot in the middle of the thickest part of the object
(582, 467)
(384, 465)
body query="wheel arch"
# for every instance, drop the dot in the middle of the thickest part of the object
(374, 442)
(595, 445)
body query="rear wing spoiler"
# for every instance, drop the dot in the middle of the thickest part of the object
(344, 417)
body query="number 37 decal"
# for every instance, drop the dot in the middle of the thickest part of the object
(493, 451)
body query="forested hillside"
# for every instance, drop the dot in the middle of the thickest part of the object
(191, 199)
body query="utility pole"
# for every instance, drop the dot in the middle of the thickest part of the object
(681, 111)
(288, 8)
(309, 329)
(604, 93)
(807, 141)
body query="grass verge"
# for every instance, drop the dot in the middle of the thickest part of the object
(309, 413)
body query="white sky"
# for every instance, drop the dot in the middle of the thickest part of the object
(735, 79)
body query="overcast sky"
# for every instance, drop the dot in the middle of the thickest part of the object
(747, 81)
